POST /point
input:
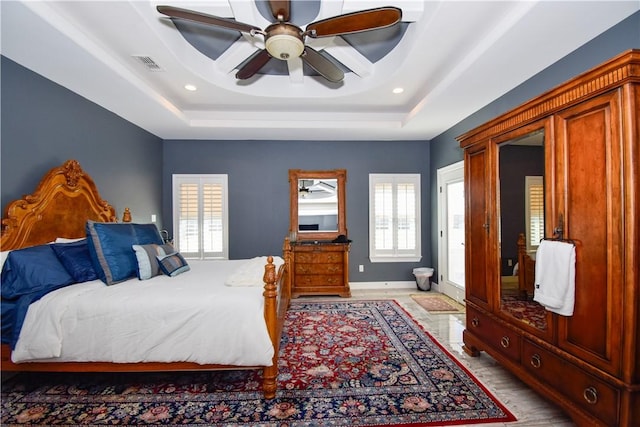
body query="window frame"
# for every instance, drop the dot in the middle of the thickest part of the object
(201, 180)
(532, 239)
(394, 254)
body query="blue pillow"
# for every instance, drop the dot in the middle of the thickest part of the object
(110, 246)
(173, 264)
(31, 270)
(147, 257)
(75, 257)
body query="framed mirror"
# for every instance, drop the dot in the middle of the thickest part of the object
(317, 204)
(521, 172)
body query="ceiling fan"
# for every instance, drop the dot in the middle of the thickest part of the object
(321, 188)
(284, 40)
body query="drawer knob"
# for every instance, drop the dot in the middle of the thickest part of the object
(504, 342)
(475, 322)
(536, 361)
(590, 394)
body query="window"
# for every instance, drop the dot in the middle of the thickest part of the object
(534, 211)
(200, 216)
(394, 218)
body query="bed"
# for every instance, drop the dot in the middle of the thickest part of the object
(66, 213)
(526, 269)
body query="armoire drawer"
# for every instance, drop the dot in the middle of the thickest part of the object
(592, 394)
(506, 341)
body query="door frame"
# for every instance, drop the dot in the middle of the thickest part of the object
(448, 174)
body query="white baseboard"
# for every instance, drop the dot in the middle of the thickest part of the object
(383, 285)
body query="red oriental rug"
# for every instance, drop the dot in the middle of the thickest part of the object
(343, 363)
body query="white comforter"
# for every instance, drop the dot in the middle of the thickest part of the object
(192, 317)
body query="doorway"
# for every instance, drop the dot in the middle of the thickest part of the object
(450, 182)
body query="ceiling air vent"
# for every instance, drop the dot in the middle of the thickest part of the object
(148, 62)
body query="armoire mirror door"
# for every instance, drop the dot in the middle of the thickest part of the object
(317, 202)
(521, 209)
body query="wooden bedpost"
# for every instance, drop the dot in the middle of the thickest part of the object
(270, 373)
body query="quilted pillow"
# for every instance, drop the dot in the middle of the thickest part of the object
(146, 255)
(173, 264)
(32, 270)
(110, 248)
(75, 257)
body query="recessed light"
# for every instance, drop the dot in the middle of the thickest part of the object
(398, 90)
(190, 87)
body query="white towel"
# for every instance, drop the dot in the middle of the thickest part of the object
(555, 276)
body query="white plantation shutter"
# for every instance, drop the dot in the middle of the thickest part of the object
(200, 216)
(534, 211)
(394, 217)
(383, 217)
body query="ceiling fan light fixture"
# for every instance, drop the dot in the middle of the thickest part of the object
(284, 41)
(284, 46)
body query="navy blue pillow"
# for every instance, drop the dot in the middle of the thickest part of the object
(110, 246)
(30, 270)
(173, 264)
(75, 257)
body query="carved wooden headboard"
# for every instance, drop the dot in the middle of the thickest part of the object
(61, 205)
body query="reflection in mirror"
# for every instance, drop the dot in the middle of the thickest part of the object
(317, 205)
(521, 209)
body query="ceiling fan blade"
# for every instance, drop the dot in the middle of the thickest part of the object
(322, 65)
(176, 12)
(281, 9)
(356, 22)
(253, 65)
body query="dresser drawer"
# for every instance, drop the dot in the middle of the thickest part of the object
(315, 280)
(506, 341)
(318, 257)
(592, 394)
(302, 268)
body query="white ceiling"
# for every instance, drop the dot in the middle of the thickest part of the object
(455, 57)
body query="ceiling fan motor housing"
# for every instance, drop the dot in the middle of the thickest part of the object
(284, 41)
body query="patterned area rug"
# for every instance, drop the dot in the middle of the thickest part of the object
(438, 303)
(344, 363)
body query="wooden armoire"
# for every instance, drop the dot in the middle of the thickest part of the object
(587, 135)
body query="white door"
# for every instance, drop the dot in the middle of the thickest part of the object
(451, 231)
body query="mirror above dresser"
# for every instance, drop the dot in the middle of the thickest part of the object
(317, 204)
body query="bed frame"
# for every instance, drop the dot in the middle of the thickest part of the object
(65, 199)
(526, 269)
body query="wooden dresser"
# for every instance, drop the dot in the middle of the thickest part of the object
(320, 269)
(586, 362)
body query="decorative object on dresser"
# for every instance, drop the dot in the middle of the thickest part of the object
(66, 206)
(586, 135)
(318, 233)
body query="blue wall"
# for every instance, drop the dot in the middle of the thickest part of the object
(259, 189)
(44, 124)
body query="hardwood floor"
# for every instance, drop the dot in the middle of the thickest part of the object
(530, 408)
